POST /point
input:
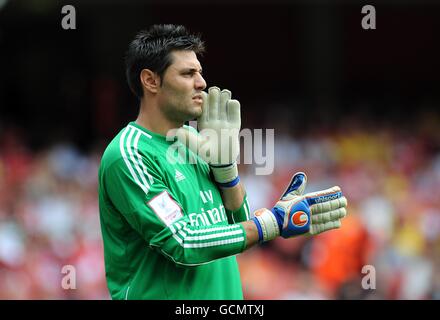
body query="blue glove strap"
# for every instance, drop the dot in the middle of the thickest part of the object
(231, 184)
(279, 214)
(260, 231)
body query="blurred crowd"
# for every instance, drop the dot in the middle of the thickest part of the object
(49, 219)
(388, 246)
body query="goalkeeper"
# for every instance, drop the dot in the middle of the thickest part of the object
(171, 229)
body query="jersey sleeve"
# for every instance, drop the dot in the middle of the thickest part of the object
(136, 189)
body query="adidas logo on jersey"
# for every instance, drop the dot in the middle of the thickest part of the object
(179, 176)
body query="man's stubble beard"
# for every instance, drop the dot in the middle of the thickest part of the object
(182, 113)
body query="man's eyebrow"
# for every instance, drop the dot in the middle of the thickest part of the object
(192, 69)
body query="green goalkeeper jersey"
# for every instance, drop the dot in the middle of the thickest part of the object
(165, 230)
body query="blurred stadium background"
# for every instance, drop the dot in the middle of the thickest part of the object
(355, 108)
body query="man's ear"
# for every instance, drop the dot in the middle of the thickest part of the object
(150, 80)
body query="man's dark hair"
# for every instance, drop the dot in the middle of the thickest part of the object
(151, 50)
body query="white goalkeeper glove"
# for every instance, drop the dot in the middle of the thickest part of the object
(296, 214)
(218, 140)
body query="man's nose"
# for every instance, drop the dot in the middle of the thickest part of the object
(200, 83)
